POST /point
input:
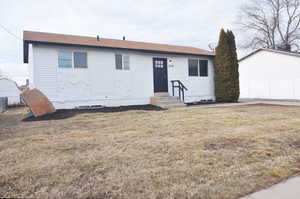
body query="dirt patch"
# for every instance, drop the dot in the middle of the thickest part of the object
(295, 144)
(68, 113)
(226, 143)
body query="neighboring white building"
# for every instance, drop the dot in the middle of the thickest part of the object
(75, 71)
(270, 74)
(9, 89)
(15, 71)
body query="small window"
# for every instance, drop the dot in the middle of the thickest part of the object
(193, 67)
(203, 64)
(65, 59)
(118, 62)
(126, 62)
(159, 64)
(122, 62)
(80, 60)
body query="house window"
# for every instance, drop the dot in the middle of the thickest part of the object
(80, 60)
(198, 68)
(159, 64)
(122, 62)
(203, 64)
(126, 62)
(65, 59)
(193, 67)
(118, 62)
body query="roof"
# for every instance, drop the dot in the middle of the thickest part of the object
(270, 50)
(73, 40)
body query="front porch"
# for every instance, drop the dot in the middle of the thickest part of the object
(164, 100)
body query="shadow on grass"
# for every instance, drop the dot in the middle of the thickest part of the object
(68, 113)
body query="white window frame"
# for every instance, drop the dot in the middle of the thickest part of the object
(64, 51)
(123, 59)
(87, 60)
(123, 62)
(72, 58)
(198, 68)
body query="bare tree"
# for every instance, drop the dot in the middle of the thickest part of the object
(271, 24)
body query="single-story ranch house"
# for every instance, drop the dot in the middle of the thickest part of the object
(270, 74)
(74, 71)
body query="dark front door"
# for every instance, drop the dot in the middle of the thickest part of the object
(160, 75)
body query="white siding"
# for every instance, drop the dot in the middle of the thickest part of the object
(199, 88)
(46, 72)
(269, 75)
(30, 67)
(102, 84)
(9, 89)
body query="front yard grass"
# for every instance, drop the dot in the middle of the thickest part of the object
(221, 152)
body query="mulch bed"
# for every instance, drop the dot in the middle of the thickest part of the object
(67, 113)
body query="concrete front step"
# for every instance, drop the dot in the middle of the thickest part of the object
(162, 94)
(168, 99)
(169, 106)
(165, 101)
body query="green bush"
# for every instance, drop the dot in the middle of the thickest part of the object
(226, 69)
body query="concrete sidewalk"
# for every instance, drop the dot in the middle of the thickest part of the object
(289, 189)
(275, 102)
(248, 102)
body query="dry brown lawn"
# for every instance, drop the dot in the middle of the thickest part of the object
(223, 152)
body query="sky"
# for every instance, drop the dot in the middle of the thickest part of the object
(181, 22)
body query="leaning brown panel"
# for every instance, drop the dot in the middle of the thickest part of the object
(38, 103)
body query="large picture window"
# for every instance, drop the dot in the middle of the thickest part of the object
(198, 68)
(65, 59)
(80, 60)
